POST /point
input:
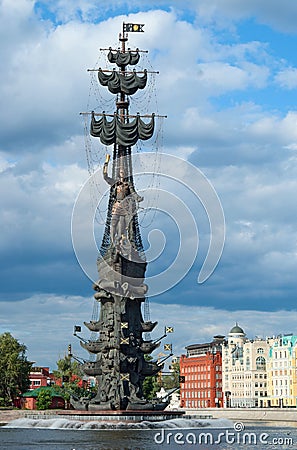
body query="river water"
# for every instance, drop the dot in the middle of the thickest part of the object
(64, 434)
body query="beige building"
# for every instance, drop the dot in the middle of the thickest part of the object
(244, 376)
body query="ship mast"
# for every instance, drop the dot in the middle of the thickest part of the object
(122, 109)
(120, 366)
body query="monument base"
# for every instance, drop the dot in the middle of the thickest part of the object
(119, 415)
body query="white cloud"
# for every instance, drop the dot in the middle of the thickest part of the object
(287, 78)
(221, 77)
(223, 12)
(245, 148)
(195, 324)
(36, 208)
(44, 323)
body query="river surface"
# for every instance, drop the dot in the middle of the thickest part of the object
(62, 434)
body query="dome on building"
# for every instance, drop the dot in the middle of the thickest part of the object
(237, 330)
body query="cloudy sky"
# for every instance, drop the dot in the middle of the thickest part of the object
(228, 84)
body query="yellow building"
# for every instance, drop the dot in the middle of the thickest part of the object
(281, 372)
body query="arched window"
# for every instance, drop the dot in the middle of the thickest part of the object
(247, 363)
(260, 350)
(261, 363)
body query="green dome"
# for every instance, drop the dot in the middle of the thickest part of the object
(236, 329)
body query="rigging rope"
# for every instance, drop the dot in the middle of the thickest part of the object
(95, 155)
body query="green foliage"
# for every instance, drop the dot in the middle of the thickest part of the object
(172, 381)
(71, 389)
(14, 369)
(150, 387)
(150, 384)
(67, 367)
(153, 384)
(44, 399)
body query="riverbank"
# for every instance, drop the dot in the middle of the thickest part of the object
(279, 416)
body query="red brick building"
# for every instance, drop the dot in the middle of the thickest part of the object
(201, 375)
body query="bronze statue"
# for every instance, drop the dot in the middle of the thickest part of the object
(124, 206)
(120, 367)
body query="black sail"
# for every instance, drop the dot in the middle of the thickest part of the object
(116, 132)
(123, 59)
(119, 83)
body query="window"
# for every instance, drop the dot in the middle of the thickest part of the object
(260, 350)
(261, 363)
(36, 382)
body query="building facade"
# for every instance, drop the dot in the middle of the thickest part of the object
(281, 372)
(201, 375)
(39, 377)
(244, 376)
(240, 372)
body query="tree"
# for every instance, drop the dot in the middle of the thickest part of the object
(171, 381)
(70, 373)
(67, 367)
(150, 387)
(44, 399)
(14, 369)
(150, 384)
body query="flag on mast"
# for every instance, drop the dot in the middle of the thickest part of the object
(132, 27)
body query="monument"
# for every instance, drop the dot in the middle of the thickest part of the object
(120, 347)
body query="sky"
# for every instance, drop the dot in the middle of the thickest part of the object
(228, 84)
